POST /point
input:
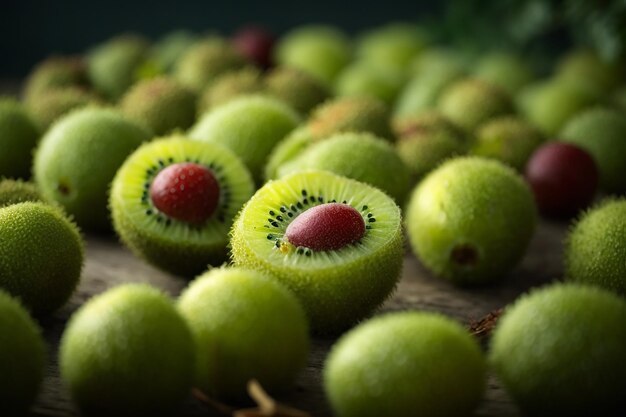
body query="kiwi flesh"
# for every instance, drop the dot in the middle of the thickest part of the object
(19, 135)
(42, 253)
(172, 244)
(17, 191)
(339, 286)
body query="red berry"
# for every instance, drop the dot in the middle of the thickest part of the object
(187, 192)
(563, 177)
(326, 227)
(255, 43)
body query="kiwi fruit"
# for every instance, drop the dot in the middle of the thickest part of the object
(287, 150)
(114, 65)
(505, 70)
(230, 85)
(319, 50)
(426, 140)
(54, 73)
(471, 220)
(42, 254)
(362, 78)
(54, 103)
(17, 191)
(250, 126)
(360, 156)
(559, 351)
(619, 98)
(392, 46)
(351, 114)
(587, 67)
(167, 50)
(78, 157)
(127, 352)
(335, 242)
(160, 104)
(297, 88)
(508, 139)
(471, 102)
(550, 104)
(22, 358)
(245, 326)
(19, 135)
(437, 59)
(422, 364)
(595, 253)
(188, 231)
(602, 133)
(205, 61)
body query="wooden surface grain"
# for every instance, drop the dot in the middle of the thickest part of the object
(109, 264)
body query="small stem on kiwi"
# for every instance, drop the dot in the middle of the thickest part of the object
(482, 328)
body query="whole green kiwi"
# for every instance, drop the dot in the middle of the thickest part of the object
(19, 135)
(17, 191)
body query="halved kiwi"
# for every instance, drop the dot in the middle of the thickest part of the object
(349, 252)
(183, 244)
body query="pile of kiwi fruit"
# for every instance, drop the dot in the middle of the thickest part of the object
(287, 180)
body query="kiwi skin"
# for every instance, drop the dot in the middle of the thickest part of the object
(22, 357)
(43, 255)
(296, 88)
(19, 135)
(288, 149)
(471, 220)
(559, 351)
(595, 253)
(53, 104)
(245, 326)
(422, 364)
(17, 191)
(56, 72)
(229, 86)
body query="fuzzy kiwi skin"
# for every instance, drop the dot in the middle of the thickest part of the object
(595, 250)
(586, 67)
(77, 160)
(350, 290)
(559, 351)
(22, 357)
(245, 326)
(471, 102)
(167, 50)
(41, 255)
(297, 88)
(287, 150)
(602, 133)
(160, 104)
(369, 80)
(56, 72)
(229, 86)
(17, 191)
(421, 364)
(19, 135)
(53, 104)
(127, 352)
(360, 156)
(250, 126)
(508, 71)
(471, 220)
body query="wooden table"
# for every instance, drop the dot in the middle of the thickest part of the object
(109, 264)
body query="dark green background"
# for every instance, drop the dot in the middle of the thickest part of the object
(30, 30)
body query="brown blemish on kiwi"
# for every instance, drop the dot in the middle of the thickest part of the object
(464, 255)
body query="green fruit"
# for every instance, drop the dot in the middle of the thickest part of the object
(586, 67)
(595, 252)
(245, 326)
(18, 137)
(297, 88)
(619, 98)
(250, 126)
(351, 114)
(364, 79)
(287, 150)
(336, 285)
(167, 51)
(114, 65)
(360, 156)
(127, 352)
(41, 255)
(173, 244)
(56, 72)
(436, 60)
(405, 364)
(160, 104)
(321, 51)
(22, 358)
(52, 104)
(426, 140)
(78, 157)
(229, 86)
(16, 191)
(508, 71)
(471, 102)
(470, 220)
(602, 133)
(205, 61)
(392, 46)
(508, 139)
(559, 352)
(549, 105)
